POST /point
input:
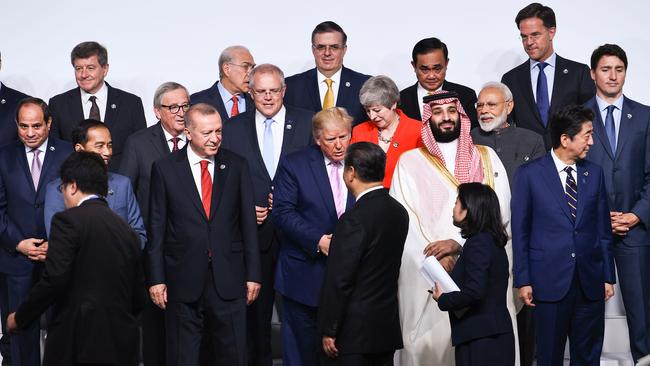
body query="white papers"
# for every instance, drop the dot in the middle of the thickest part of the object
(433, 271)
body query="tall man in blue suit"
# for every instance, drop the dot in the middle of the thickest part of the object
(263, 137)
(26, 167)
(330, 83)
(622, 149)
(9, 99)
(93, 136)
(309, 197)
(561, 235)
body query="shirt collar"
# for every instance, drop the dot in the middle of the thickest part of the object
(422, 91)
(88, 197)
(42, 148)
(168, 136)
(368, 191)
(336, 78)
(224, 93)
(195, 159)
(102, 94)
(278, 118)
(550, 61)
(559, 164)
(602, 105)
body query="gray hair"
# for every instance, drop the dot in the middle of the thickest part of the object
(163, 89)
(227, 55)
(203, 109)
(265, 69)
(380, 90)
(507, 94)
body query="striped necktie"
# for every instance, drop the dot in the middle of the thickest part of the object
(571, 191)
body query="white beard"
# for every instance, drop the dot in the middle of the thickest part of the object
(496, 123)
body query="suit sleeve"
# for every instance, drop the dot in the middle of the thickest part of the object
(155, 269)
(521, 217)
(587, 86)
(10, 234)
(64, 244)
(605, 231)
(642, 207)
(249, 226)
(135, 217)
(346, 250)
(53, 204)
(477, 260)
(138, 119)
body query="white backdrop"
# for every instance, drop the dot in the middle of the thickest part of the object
(150, 42)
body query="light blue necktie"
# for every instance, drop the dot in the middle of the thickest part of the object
(610, 128)
(267, 153)
(542, 94)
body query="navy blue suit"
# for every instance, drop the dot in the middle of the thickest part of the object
(627, 178)
(212, 97)
(566, 262)
(302, 91)
(120, 199)
(21, 217)
(304, 211)
(9, 99)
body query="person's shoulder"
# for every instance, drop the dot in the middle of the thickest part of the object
(409, 89)
(118, 179)
(565, 62)
(201, 94)
(61, 97)
(459, 88)
(301, 114)
(351, 74)
(636, 105)
(524, 133)
(12, 94)
(141, 134)
(300, 77)
(515, 71)
(122, 93)
(59, 146)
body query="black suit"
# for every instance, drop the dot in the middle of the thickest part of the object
(204, 261)
(94, 279)
(9, 99)
(572, 84)
(410, 103)
(358, 302)
(240, 136)
(124, 115)
(212, 97)
(480, 322)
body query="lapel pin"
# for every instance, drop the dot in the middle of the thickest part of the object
(3, 101)
(565, 71)
(289, 127)
(347, 84)
(52, 148)
(629, 116)
(113, 106)
(395, 144)
(496, 174)
(526, 158)
(586, 174)
(222, 166)
(110, 192)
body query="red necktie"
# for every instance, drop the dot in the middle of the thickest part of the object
(235, 106)
(175, 142)
(206, 187)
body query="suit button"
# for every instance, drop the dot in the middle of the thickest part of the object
(573, 255)
(498, 149)
(37, 206)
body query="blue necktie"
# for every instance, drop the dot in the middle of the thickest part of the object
(571, 192)
(610, 128)
(542, 94)
(267, 153)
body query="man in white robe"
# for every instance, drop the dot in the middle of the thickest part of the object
(425, 182)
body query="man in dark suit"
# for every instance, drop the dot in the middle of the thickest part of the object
(203, 258)
(26, 167)
(358, 315)
(229, 95)
(9, 99)
(560, 221)
(430, 59)
(92, 276)
(538, 95)
(309, 197)
(122, 112)
(170, 102)
(330, 83)
(622, 149)
(263, 137)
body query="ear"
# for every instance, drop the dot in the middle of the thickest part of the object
(78, 147)
(48, 124)
(510, 105)
(105, 67)
(156, 111)
(551, 33)
(593, 74)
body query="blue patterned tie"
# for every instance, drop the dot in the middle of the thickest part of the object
(610, 128)
(267, 153)
(542, 94)
(571, 191)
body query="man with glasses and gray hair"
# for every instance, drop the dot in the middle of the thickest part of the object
(229, 95)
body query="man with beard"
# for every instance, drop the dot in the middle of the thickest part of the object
(425, 182)
(513, 145)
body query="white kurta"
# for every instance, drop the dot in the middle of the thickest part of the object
(429, 198)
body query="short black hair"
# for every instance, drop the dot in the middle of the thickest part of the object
(87, 170)
(80, 132)
(568, 121)
(89, 49)
(368, 161)
(483, 212)
(327, 27)
(608, 50)
(428, 45)
(37, 102)
(537, 10)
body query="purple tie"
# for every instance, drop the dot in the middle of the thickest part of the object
(335, 183)
(36, 168)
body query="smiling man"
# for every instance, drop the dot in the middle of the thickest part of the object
(545, 82)
(122, 112)
(330, 83)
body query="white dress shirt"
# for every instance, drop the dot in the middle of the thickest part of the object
(41, 156)
(169, 139)
(423, 93)
(449, 150)
(549, 71)
(322, 86)
(278, 132)
(195, 166)
(102, 99)
(559, 167)
(602, 107)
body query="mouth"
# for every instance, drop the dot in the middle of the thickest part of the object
(446, 125)
(486, 119)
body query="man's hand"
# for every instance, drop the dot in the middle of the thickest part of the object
(11, 323)
(526, 295)
(442, 248)
(437, 291)
(261, 213)
(41, 257)
(324, 244)
(623, 222)
(158, 294)
(609, 291)
(329, 346)
(33, 248)
(448, 262)
(270, 199)
(252, 291)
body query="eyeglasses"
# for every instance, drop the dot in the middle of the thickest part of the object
(246, 66)
(175, 108)
(533, 37)
(60, 187)
(333, 48)
(488, 105)
(271, 92)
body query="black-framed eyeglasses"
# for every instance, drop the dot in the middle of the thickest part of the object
(246, 66)
(331, 47)
(175, 108)
(271, 92)
(60, 187)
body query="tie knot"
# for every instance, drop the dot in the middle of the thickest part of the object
(204, 164)
(235, 98)
(611, 108)
(92, 98)
(542, 65)
(36, 152)
(329, 82)
(268, 122)
(568, 170)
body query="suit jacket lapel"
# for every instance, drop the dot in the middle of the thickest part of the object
(288, 134)
(412, 96)
(112, 107)
(221, 171)
(21, 160)
(184, 172)
(582, 178)
(345, 95)
(319, 170)
(252, 135)
(158, 140)
(555, 186)
(599, 127)
(78, 110)
(526, 86)
(47, 164)
(312, 90)
(626, 127)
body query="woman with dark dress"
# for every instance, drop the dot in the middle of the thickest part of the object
(481, 329)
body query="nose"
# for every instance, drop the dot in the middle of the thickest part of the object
(445, 116)
(612, 74)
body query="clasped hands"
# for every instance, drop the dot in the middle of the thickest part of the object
(34, 249)
(445, 252)
(622, 222)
